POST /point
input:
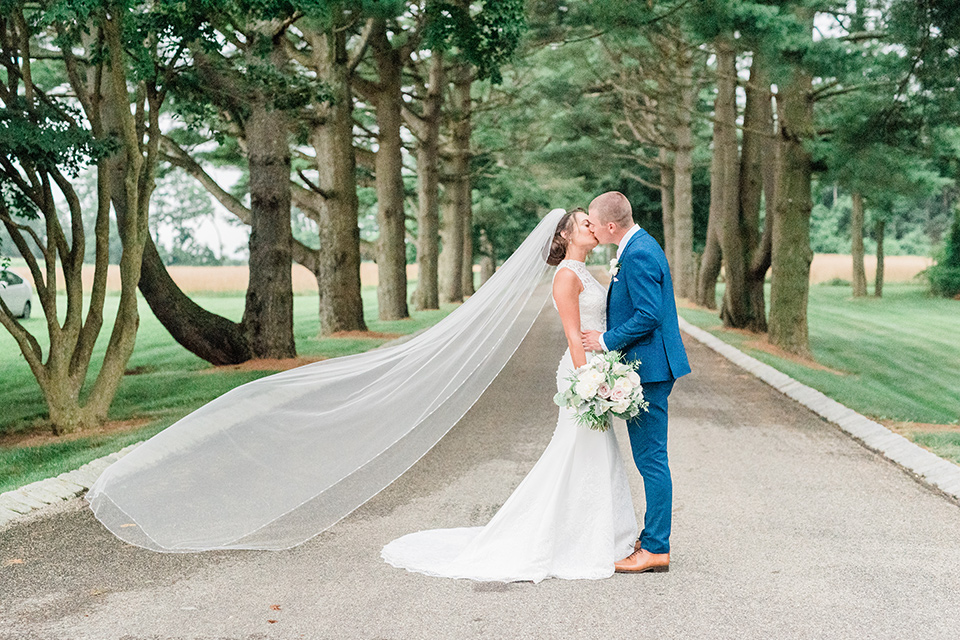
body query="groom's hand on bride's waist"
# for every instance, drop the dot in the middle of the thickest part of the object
(592, 341)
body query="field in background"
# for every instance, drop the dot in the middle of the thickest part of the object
(163, 383)
(834, 266)
(825, 267)
(226, 279)
(895, 359)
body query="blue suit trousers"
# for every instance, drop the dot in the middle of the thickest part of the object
(648, 440)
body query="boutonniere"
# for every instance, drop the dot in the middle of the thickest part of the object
(614, 268)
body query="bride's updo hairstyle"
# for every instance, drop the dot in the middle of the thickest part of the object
(558, 248)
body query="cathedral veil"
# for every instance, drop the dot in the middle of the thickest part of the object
(276, 461)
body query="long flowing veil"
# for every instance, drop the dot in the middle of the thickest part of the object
(276, 461)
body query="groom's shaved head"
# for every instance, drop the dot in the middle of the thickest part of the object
(614, 207)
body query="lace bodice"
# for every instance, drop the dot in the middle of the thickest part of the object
(593, 298)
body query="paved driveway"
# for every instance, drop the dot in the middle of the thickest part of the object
(784, 527)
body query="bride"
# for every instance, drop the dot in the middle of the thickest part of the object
(572, 516)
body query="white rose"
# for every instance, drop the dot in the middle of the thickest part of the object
(594, 377)
(586, 389)
(634, 378)
(622, 406)
(623, 383)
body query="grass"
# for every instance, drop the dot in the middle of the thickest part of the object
(164, 383)
(946, 445)
(895, 359)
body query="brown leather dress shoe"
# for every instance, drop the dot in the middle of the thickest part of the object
(642, 560)
(636, 546)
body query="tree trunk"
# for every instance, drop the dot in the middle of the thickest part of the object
(341, 307)
(466, 217)
(759, 265)
(456, 184)
(488, 257)
(879, 231)
(791, 232)
(725, 147)
(724, 103)
(268, 311)
(856, 246)
(391, 246)
(665, 160)
(207, 335)
(748, 310)
(451, 253)
(428, 173)
(461, 140)
(684, 265)
(710, 263)
(762, 255)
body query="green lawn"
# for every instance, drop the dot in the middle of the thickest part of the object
(169, 381)
(894, 359)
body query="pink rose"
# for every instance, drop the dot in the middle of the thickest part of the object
(603, 390)
(617, 394)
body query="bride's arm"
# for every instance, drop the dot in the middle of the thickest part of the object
(566, 293)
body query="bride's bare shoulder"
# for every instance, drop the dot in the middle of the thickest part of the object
(566, 283)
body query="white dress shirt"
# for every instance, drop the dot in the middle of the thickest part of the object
(620, 247)
(626, 238)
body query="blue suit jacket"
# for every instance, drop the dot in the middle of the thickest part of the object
(642, 312)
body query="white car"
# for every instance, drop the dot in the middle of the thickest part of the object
(16, 294)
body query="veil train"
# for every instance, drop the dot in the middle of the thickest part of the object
(276, 461)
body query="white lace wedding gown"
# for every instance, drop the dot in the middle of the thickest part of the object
(571, 517)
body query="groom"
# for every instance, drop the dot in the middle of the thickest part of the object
(642, 325)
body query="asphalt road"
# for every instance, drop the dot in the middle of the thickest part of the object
(784, 527)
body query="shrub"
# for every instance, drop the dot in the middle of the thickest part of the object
(944, 276)
(835, 282)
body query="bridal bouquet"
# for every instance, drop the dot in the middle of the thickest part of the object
(602, 388)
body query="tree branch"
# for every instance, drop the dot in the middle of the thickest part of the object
(361, 49)
(857, 87)
(176, 156)
(314, 187)
(629, 174)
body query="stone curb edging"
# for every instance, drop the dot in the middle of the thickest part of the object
(928, 467)
(19, 503)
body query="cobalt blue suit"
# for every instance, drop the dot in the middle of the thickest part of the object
(642, 324)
